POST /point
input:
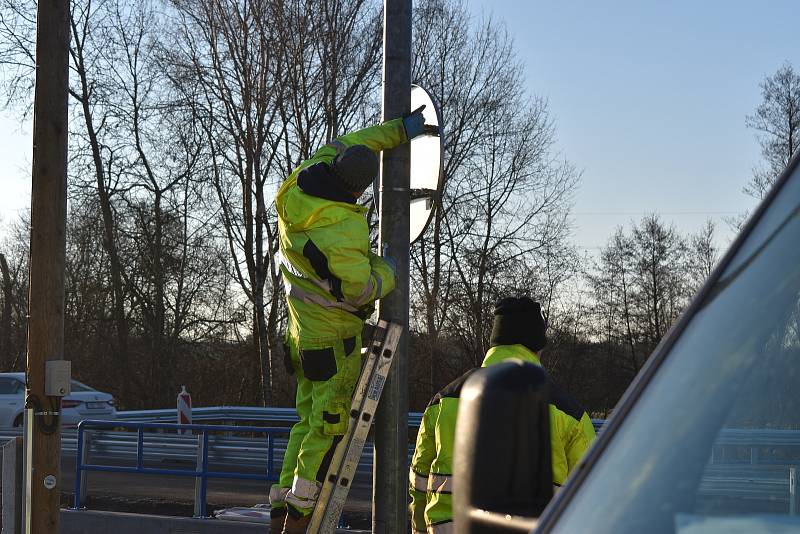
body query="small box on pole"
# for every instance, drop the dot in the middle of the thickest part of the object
(57, 377)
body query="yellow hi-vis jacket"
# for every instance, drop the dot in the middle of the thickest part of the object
(430, 477)
(330, 275)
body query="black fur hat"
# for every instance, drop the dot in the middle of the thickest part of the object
(519, 321)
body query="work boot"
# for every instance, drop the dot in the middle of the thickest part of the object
(277, 516)
(296, 525)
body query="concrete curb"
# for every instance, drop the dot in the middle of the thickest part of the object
(97, 522)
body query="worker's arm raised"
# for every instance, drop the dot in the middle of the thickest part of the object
(382, 136)
(379, 137)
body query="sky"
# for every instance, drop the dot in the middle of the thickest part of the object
(649, 98)
(16, 149)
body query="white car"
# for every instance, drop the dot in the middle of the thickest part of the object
(82, 403)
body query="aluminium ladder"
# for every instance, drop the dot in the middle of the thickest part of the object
(345, 459)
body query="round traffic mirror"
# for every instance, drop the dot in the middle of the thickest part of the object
(426, 164)
(427, 152)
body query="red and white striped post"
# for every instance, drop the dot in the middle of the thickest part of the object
(184, 409)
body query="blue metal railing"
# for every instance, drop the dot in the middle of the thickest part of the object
(769, 451)
(201, 474)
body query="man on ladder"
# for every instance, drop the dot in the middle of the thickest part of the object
(332, 281)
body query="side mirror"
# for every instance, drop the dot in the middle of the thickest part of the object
(503, 475)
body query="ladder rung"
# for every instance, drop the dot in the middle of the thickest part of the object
(333, 494)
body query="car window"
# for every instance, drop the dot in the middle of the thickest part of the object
(713, 443)
(80, 386)
(10, 386)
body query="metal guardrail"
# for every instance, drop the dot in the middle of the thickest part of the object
(750, 461)
(760, 446)
(238, 413)
(232, 413)
(763, 482)
(225, 451)
(201, 473)
(247, 413)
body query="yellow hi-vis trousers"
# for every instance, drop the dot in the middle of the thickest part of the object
(326, 378)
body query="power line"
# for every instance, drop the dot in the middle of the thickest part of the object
(655, 213)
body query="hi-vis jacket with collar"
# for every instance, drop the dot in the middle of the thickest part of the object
(332, 278)
(430, 477)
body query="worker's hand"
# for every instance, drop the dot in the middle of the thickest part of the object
(414, 123)
(367, 309)
(388, 259)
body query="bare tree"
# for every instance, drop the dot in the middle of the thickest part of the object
(777, 121)
(186, 117)
(14, 271)
(641, 284)
(134, 195)
(506, 194)
(17, 56)
(96, 156)
(469, 71)
(329, 72)
(8, 298)
(659, 276)
(169, 249)
(703, 254)
(225, 65)
(611, 281)
(17, 52)
(509, 204)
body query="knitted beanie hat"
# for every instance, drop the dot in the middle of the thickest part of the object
(356, 168)
(519, 321)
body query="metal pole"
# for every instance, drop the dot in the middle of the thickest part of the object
(391, 431)
(199, 495)
(46, 296)
(12, 500)
(81, 476)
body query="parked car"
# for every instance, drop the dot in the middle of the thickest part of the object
(84, 402)
(705, 440)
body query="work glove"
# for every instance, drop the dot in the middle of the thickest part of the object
(366, 311)
(414, 124)
(388, 259)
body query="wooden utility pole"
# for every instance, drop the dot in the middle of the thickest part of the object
(46, 296)
(390, 473)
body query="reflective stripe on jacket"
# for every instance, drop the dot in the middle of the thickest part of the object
(571, 433)
(331, 277)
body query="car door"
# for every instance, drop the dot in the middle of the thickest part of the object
(12, 400)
